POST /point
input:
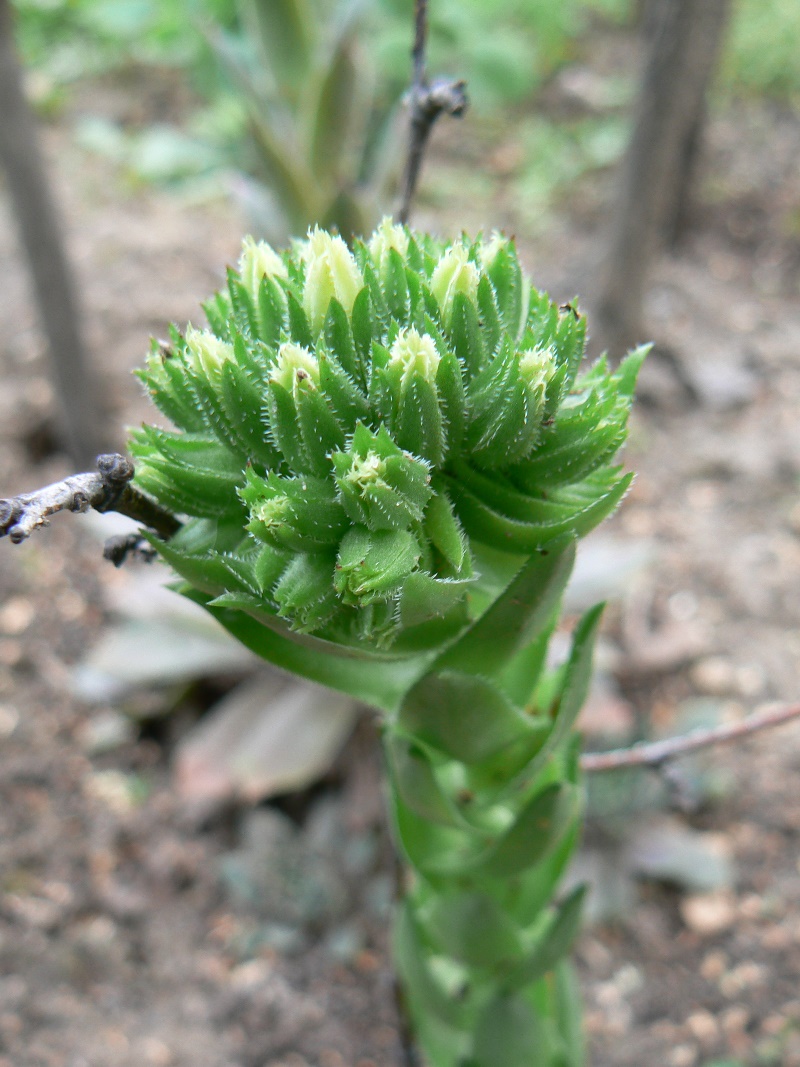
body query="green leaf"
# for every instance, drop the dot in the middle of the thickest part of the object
(244, 310)
(333, 108)
(537, 885)
(305, 593)
(299, 328)
(466, 335)
(521, 675)
(511, 288)
(465, 717)
(577, 677)
(437, 851)
(242, 403)
(535, 832)
(473, 929)
(628, 371)
(374, 564)
(509, 1034)
(424, 597)
(412, 962)
(209, 401)
(515, 617)
(205, 573)
(452, 403)
(271, 313)
(346, 400)
(553, 944)
(285, 428)
(444, 530)
(417, 425)
(489, 316)
(362, 323)
(395, 287)
(201, 492)
(415, 779)
(569, 342)
(286, 29)
(339, 338)
(494, 528)
(491, 775)
(376, 680)
(569, 1014)
(165, 380)
(320, 431)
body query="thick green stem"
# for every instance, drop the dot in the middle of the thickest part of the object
(482, 937)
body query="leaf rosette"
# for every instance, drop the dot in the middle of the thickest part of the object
(369, 443)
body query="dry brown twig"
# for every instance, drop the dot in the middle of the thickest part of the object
(106, 489)
(427, 100)
(655, 754)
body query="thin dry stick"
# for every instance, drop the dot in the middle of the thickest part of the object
(106, 489)
(660, 752)
(427, 101)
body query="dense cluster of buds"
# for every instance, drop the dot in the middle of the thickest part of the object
(362, 435)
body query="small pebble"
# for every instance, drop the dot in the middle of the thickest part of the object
(714, 675)
(708, 913)
(682, 1056)
(9, 719)
(703, 1027)
(106, 731)
(16, 615)
(734, 1020)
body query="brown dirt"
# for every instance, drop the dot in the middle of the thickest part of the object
(121, 941)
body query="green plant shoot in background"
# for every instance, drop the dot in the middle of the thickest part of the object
(384, 458)
(324, 141)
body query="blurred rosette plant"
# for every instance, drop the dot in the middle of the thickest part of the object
(384, 457)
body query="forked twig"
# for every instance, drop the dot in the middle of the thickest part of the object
(427, 100)
(656, 753)
(106, 489)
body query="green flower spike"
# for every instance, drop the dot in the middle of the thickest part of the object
(383, 458)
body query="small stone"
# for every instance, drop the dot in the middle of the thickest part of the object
(746, 976)
(708, 913)
(331, 1058)
(714, 675)
(16, 615)
(156, 1052)
(721, 385)
(734, 1020)
(682, 1056)
(774, 1024)
(106, 731)
(10, 1024)
(777, 939)
(283, 938)
(703, 1027)
(750, 680)
(344, 943)
(11, 653)
(9, 719)
(751, 906)
(120, 792)
(250, 974)
(379, 896)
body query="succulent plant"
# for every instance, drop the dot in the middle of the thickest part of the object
(358, 431)
(384, 457)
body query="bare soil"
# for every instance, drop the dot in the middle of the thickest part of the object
(125, 938)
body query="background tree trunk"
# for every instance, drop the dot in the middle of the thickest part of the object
(683, 38)
(40, 234)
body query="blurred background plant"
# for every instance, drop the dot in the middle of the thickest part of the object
(293, 103)
(322, 141)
